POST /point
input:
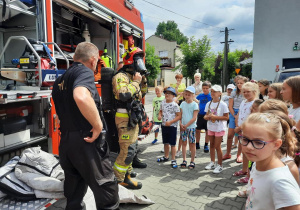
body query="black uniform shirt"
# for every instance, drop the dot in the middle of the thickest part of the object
(69, 114)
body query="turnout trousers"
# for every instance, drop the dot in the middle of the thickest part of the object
(87, 164)
(128, 146)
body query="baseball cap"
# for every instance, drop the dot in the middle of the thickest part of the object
(190, 89)
(217, 88)
(172, 90)
(230, 86)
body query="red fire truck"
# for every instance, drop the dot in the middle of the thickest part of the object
(37, 42)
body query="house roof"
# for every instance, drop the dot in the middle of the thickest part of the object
(162, 39)
(249, 60)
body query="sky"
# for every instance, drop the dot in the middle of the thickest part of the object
(212, 16)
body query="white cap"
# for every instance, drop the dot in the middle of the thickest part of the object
(230, 86)
(217, 88)
(191, 89)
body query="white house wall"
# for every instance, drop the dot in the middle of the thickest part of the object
(163, 45)
(169, 77)
(276, 29)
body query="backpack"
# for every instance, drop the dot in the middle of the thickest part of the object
(107, 95)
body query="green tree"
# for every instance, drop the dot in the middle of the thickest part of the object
(170, 31)
(152, 61)
(234, 59)
(210, 71)
(194, 53)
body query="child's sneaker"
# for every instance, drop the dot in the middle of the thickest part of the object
(210, 166)
(162, 159)
(218, 169)
(154, 141)
(197, 146)
(206, 148)
(174, 164)
(178, 153)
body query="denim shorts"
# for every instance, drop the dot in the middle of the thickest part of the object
(232, 119)
(157, 123)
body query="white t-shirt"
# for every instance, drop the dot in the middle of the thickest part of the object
(244, 111)
(225, 98)
(169, 111)
(295, 113)
(218, 125)
(272, 189)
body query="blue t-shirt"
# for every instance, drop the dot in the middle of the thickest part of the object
(188, 112)
(203, 99)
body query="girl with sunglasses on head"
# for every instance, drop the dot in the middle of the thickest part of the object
(271, 184)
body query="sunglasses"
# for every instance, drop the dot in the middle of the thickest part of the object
(257, 144)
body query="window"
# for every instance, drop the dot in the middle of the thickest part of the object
(163, 54)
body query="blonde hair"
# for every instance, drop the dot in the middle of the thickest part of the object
(273, 104)
(277, 87)
(294, 83)
(258, 102)
(278, 126)
(197, 75)
(159, 87)
(252, 87)
(85, 51)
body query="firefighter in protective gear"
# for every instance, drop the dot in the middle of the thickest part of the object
(127, 91)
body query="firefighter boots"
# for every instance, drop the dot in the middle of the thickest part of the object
(137, 163)
(133, 174)
(130, 184)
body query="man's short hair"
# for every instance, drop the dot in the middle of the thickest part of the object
(84, 51)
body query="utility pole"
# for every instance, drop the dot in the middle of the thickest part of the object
(225, 79)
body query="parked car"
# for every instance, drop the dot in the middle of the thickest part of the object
(282, 75)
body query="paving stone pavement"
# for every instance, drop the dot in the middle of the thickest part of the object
(185, 189)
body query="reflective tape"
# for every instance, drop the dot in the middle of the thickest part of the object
(125, 115)
(120, 168)
(131, 88)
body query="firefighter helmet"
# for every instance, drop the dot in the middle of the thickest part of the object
(128, 55)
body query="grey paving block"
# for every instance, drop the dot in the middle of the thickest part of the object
(182, 188)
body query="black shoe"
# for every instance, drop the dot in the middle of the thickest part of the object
(130, 184)
(197, 146)
(133, 174)
(137, 163)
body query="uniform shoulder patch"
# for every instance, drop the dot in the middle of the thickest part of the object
(125, 136)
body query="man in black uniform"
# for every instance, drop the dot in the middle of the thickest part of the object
(83, 153)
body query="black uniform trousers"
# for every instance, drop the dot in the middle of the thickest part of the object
(85, 165)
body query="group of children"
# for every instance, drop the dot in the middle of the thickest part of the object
(211, 115)
(267, 132)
